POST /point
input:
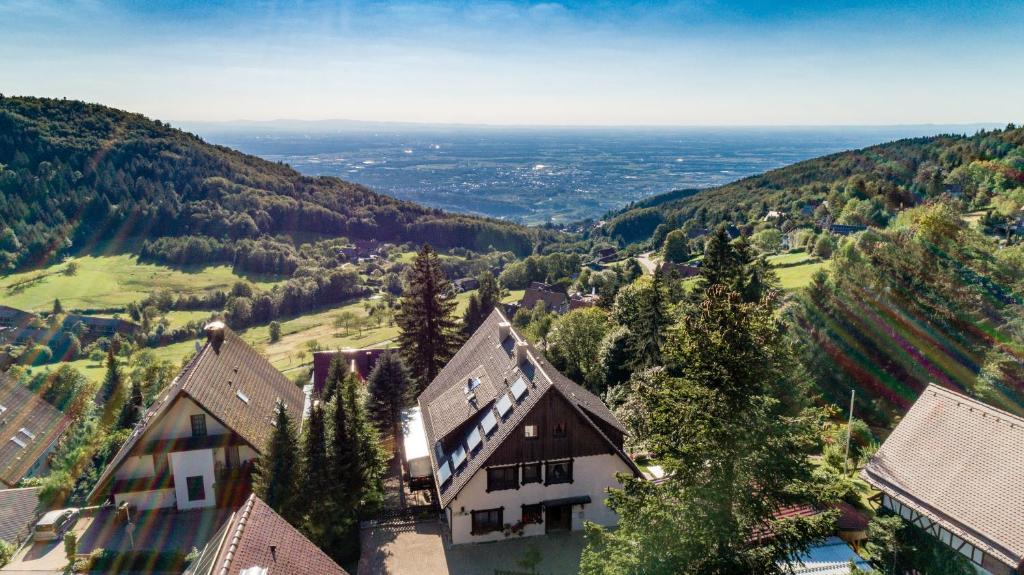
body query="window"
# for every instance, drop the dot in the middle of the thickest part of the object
(486, 521)
(199, 425)
(531, 431)
(531, 473)
(559, 429)
(499, 478)
(196, 488)
(533, 514)
(558, 472)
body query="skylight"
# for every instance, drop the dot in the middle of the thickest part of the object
(489, 422)
(27, 433)
(242, 396)
(18, 441)
(438, 451)
(503, 405)
(458, 456)
(519, 388)
(444, 473)
(473, 439)
(2, 409)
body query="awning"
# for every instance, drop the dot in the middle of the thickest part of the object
(578, 500)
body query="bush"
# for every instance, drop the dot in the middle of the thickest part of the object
(6, 552)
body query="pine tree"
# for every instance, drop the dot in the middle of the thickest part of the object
(277, 470)
(390, 392)
(481, 303)
(315, 480)
(131, 410)
(343, 457)
(109, 396)
(736, 428)
(429, 331)
(721, 264)
(369, 462)
(57, 307)
(648, 338)
(335, 375)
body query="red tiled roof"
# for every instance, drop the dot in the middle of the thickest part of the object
(959, 462)
(361, 361)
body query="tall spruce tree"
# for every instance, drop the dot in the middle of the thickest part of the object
(111, 393)
(277, 470)
(335, 375)
(735, 431)
(481, 303)
(316, 480)
(426, 317)
(131, 410)
(366, 441)
(390, 392)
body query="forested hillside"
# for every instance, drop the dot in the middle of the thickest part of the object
(861, 187)
(73, 173)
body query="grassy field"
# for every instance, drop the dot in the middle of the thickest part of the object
(796, 277)
(110, 281)
(788, 259)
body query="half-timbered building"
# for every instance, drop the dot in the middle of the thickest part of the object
(516, 447)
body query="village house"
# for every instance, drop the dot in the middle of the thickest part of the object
(466, 284)
(516, 447)
(255, 540)
(29, 430)
(15, 318)
(578, 300)
(19, 510)
(954, 467)
(554, 301)
(195, 445)
(97, 327)
(358, 361)
(681, 270)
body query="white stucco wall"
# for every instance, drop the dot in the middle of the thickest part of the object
(136, 466)
(143, 500)
(592, 476)
(177, 422)
(186, 464)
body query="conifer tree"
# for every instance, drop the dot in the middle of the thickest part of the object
(277, 471)
(343, 456)
(57, 307)
(335, 375)
(648, 337)
(109, 396)
(390, 392)
(315, 482)
(426, 317)
(369, 462)
(481, 303)
(131, 410)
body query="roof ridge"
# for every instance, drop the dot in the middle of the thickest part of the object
(975, 403)
(237, 536)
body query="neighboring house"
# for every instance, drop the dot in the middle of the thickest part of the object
(514, 445)
(257, 541)
(19, 510)
(554, 301)
(98, 327)
(581, 300)
(682, 270)
(774, 215)
(954, 466)
(831, 557)
(195, 445)
(358, 361)
(466, 284)
(15, 318)
(845, 230)
(29, 430)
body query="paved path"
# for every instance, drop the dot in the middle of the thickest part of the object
(645, 260)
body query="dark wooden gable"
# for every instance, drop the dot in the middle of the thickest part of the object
(581, 439)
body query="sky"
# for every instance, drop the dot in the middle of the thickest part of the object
(689, 63)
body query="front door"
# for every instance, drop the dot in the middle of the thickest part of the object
(558, 518)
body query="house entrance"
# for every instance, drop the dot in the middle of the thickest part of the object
(558, 518)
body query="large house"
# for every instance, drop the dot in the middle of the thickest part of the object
(29, 430)
(19, 510)
(954, 467)
(195, 445)
(554, 301)
(257, 541)
(514, 445)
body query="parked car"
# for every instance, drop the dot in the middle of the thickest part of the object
(54, 523)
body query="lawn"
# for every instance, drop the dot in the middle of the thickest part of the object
(110, 281)
(788, 259)
(796, 277)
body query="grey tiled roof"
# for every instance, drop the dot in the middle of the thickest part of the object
(216, 379)
(961, 463)
(19, 509)
(445, 407)
(21, 408)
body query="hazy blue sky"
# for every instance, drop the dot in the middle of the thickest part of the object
(700, 62)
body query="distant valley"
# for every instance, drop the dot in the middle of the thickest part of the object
(539, 175)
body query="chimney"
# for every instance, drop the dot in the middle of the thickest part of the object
(520, 352)
(504, 328)
(215, 334)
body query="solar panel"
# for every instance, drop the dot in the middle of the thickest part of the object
(519, 388)
(473, 439)
(458, 456)
(503, 405)
(18, 442)
(489, 422)
(27, 433)
(444, 473)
